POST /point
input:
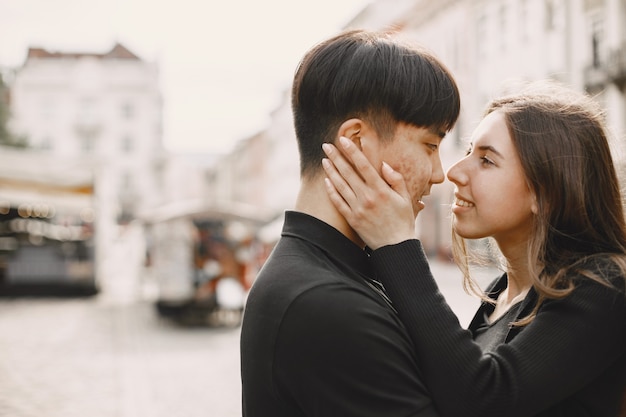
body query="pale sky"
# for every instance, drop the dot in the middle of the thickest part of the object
(223, 64)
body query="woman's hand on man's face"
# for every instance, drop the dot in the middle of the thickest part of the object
(377, 207)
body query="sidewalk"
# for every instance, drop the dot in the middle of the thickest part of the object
(450, 281)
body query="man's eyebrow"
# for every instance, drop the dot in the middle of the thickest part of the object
(437, 132)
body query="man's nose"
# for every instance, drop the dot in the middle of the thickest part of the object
(438, 175)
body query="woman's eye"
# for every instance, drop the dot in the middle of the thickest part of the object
(486, 161)
(468, 151)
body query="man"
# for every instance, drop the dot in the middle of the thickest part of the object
(319, 336)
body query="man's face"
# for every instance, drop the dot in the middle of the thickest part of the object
(414, 152)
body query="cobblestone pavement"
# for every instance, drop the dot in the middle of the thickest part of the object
(112, 356)
(88, 358)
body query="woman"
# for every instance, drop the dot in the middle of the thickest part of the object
(550, 337)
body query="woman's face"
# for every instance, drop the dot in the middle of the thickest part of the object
(492, 197)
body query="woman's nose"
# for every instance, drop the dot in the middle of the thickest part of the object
(455, 173)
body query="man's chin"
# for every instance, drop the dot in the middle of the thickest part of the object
(417, 207)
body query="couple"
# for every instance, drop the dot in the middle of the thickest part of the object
(345, 318)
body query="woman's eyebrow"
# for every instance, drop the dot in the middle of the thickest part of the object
(490, 149)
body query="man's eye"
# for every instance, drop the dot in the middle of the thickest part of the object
(433, 147)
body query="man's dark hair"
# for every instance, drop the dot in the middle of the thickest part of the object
(371, 76)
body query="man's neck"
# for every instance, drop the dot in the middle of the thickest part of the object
(313, 200)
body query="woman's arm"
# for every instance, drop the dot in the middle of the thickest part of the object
(569, 344)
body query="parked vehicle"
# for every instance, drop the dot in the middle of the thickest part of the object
(203, 260)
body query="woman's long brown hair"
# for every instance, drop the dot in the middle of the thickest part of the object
(565, 154)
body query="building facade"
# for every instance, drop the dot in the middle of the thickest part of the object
(490, 46)
(105, 108)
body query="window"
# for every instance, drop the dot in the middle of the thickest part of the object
(47, 108)
(87, 111)
(503, 26)
(597, 40)
(555, 15)
(127, 144)
(128, 110)
(46, 144)
(524, 20)
(481, 35)
(549, 18)
(87, 144)
(126, 182)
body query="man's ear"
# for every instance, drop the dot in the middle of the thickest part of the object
(352, 129)
(365, 137)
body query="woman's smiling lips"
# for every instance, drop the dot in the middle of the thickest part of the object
(461, 203)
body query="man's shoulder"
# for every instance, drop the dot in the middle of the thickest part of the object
(292, 255)
(300, 264)
(301, 282)
(286, 278)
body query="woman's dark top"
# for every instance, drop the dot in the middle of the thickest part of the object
(490, 335)
(570, 361)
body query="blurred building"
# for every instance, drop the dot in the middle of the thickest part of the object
(490, 46)
(47, 221)
(101, 107)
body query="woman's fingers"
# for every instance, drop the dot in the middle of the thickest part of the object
(395, 180)
(338, 190)
(363, 166)
(341, 173)
(346, 189)
(375, 207)
(344, 167)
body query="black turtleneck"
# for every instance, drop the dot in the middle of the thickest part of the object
(320, 339)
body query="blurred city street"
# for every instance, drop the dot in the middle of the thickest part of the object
(150, 164)
(93, 358)
(112, 356)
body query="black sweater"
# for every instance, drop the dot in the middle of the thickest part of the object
(318, 340)
(570, 361)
